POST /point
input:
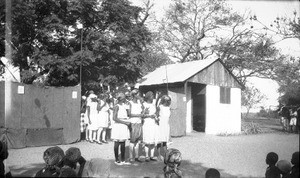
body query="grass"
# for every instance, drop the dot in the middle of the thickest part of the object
(265, 125)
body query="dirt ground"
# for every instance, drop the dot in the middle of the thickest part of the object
(233, 156)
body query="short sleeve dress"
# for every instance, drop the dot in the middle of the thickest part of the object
(120, 131)
(164, 125)
(150, 129)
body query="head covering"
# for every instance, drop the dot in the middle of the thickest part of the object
(134, 92)
(172, 160)
(149, 95)
(53, 156)
(172, 156)
(284, 165)
(120, 96)
(295, 158)
(271, 158)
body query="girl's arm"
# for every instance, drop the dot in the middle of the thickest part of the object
(115, 116)
(88, 109)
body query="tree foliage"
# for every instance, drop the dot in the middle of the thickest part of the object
(46, 40)
(251, 96)
(287, 69)
(195, 30)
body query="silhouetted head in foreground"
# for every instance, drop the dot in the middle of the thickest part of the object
(212, 173)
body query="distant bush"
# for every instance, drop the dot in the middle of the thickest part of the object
(225, 134)
(267, 113)
(251, 128)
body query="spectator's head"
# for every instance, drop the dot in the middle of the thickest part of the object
(53, 156)
(284, 166)
(3, 151)
(271, 158)
(72, 156)
(212, 173)
(295, 158)
(67, 172)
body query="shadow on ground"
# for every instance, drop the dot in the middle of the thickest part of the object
(144, 169)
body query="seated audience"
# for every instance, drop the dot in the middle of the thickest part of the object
(53, 158)
(94, 168)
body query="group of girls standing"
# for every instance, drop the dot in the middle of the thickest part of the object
(97, 117)
(141, 121)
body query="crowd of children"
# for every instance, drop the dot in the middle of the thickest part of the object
(143, 120)
(282, 168)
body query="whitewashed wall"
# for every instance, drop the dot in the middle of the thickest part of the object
(222, 118)
(189, 114)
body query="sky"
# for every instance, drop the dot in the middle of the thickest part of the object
(266, 12)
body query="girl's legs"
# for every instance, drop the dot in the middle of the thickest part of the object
(147, 151)
(87, 134)
(94, 133)
(104, 134)
(91, 135)
(159, 145)
(99, 135)
(152, 149)
(131, 150)
(122, 151)
(164, 148)
(136, 149)
(116, 151)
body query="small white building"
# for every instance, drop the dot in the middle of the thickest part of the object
(206, 96)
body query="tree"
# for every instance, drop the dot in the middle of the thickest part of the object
(195, 30)
(251, 96)
(47, 41)
(287, 69)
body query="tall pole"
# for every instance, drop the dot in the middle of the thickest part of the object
(80, 72)
(167, 79)
(8, 89)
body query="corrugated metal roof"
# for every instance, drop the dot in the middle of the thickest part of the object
(173, 73)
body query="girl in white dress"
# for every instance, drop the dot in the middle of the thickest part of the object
(103, 116)
(164, 113)
(150, 126)
(120, 131)
(136, 134)
(92, 115)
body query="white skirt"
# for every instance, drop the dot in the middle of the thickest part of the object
(103, 119)
(150, 131)
(119, 131)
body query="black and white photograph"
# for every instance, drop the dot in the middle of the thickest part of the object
(150, 88)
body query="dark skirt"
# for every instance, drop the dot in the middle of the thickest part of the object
(136, 133)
